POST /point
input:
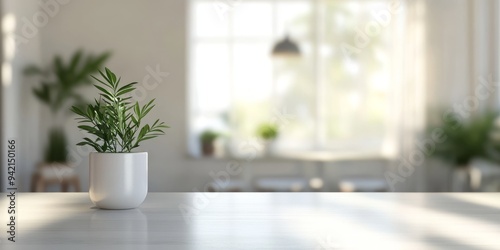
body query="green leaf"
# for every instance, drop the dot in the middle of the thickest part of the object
(104, 91)
(105, 78)
(125, 91)
(111, 76)
(78, 111)
(163, 126)
(154, 124)
(147, 138)
(143, 131)
(145, 112)
(148, 104)
(104, 83)
(87, 128)
(134, 120)
(137, 110)
(90, 111)
(130, 85)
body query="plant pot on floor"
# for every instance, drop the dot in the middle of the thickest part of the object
(208, 148)
(460, 179)
(118, 180)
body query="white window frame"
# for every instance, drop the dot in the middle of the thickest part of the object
(320, 116)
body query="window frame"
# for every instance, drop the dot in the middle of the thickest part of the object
(317, 36)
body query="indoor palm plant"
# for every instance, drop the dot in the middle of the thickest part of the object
(118, 176)
(59, 88)
(464, 141)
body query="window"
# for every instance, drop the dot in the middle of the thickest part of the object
(336, 96)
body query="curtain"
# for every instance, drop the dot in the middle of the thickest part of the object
(408, 80)
(447, 49)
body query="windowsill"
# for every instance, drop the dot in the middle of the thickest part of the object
(305, 156)
(264, 159)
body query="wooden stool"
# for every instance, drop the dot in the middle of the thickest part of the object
(55, 173)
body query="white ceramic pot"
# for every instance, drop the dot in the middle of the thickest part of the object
(118, 180)
(269, 147)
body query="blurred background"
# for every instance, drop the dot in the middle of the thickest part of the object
(263, 95)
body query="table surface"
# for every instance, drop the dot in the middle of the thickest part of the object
(258, 221)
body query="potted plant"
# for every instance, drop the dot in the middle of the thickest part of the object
(465, 140)
(58, 90)
(207, 140)
(268, 132)
(118, 176)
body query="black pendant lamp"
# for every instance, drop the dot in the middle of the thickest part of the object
(286, 47)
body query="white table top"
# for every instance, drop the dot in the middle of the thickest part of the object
(259, 221)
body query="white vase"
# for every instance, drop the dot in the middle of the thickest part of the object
(118, 180)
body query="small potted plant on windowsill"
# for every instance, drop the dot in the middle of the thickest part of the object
(118, 176)
(268, 132)
(207, 140)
